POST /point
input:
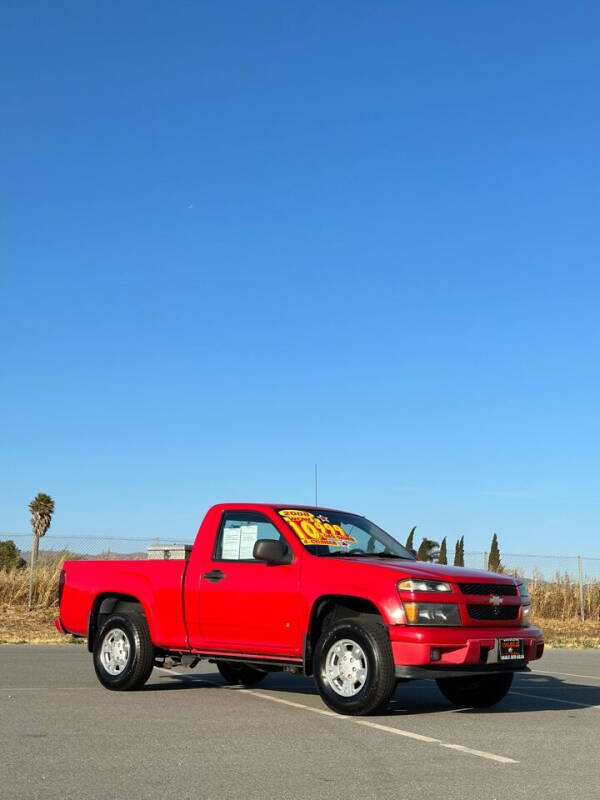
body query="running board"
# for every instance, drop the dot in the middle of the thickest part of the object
(254, 660)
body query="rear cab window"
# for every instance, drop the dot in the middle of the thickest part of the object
(238, 533)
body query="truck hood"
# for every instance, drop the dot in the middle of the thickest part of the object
(429, 571)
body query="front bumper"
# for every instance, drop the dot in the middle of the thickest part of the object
(424, 673)
(460, 647)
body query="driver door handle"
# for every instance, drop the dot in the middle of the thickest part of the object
(214, 575)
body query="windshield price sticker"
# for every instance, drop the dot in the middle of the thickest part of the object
(312, 530)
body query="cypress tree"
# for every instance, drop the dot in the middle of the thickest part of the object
(443, 556)
(411, 538)
(459, 553)
(494, 562)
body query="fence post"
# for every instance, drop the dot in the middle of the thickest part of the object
(581, 603)
(31, 568)
(485, 560)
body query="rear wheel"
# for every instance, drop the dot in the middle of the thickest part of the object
(478, 691)
(236, 674)
(354, 668)
(123, 652)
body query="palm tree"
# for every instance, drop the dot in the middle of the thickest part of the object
(429, 550)
(42, 508)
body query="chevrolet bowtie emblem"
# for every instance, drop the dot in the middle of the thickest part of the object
(495, 600)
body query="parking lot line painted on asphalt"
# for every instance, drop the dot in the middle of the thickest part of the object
(46, 689)
(419, 737)
(291, 703)
(398, 731)
(388, 729)
(556, 700)
(323, 711)
(556, 744)
(569, 674)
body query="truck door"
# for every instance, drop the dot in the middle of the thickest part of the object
(247, 606)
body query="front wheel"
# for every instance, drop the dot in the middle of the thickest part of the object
(236, 674)
(354, 668)
(478, 691)
(123, 652)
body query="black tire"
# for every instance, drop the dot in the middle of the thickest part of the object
(240, 674)
(477, 691)
(132, 669)
(380, 681)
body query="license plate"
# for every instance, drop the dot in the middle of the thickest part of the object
(511, 649)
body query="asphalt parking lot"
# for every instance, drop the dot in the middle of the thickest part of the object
(186, 735)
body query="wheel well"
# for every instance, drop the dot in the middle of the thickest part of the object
(327, 610)
(106, 604)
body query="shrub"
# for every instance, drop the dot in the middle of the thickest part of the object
(9, 555)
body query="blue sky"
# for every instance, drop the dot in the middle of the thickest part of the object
(239, 238)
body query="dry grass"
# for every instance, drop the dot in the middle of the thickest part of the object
(571, 633)
(14, 585)
(555, 608)
(19, 626)
(560, 599)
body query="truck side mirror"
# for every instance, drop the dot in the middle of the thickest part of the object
(271, 551)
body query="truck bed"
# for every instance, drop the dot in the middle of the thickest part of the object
(158, 585)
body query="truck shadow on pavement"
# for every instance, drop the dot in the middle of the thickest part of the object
(529, 692)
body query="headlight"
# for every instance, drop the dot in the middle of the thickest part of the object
(525, 615)
(413, 585)
(431, 613)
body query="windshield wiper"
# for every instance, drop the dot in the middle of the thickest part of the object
(383, 554)
(347, 554)
(387, 554)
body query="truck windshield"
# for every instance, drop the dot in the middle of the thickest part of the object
(337, 533)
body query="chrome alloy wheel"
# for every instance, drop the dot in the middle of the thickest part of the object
(115, 651)
(346, 667)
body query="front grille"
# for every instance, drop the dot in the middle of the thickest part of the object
(493, 612)
(506, 589)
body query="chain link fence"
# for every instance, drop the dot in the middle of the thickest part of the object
(576, 577)
(528, 566)
(561, 587)
(540, 567)
(88, 547)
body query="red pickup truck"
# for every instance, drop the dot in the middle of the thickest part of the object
(311, 591)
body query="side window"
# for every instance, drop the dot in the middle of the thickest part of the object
(239, 532)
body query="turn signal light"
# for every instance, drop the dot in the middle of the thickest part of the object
(412, 612)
